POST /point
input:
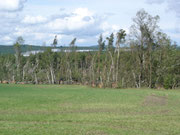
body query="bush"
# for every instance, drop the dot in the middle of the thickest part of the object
(168, 81)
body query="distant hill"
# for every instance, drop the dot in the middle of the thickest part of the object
(4, 49)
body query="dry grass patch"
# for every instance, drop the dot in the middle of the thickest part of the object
(154, 100)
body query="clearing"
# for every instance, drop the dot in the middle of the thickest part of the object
(80, 110)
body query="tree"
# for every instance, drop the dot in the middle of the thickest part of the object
(101, 43)
(121, 35)
(111, 64)
(72, 45)
(17, 47)
(70, 61)
(20, 40)
(120, 39)
(150, 59)
(143, 32)
(110, 43)
(55, 41)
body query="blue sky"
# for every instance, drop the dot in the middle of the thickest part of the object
(38, 21)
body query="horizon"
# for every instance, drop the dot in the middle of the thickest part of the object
(51, 45)
(81, 19)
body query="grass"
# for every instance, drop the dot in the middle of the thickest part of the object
(80, 110)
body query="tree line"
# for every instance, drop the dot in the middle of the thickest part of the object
(150, 59)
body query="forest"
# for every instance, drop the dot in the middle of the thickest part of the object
(146, 57)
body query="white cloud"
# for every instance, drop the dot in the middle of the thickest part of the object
(11, 5)
(39, 22)
(155, 1)
(34, 19)
(81, 23)
(170, 27)
(10, 19)
(78, 20)
(173, 5)
(6, 38)
(81, 40)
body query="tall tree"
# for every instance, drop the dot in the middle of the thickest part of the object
(101, 43)
(73, 45)
(111, 70)
(110, 43)
(17, 47)
(55, 41)
(121, 35)
(143, 32)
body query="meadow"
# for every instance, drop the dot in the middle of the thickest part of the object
(81, 110)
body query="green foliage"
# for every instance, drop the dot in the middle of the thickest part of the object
(101, 43)
(168, 81)
(110, 43)
(24, 48)
(55, 41)
(92, 67)
(150, 59)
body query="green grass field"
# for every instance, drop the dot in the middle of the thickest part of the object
(80, 110)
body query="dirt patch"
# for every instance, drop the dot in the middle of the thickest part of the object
(154, 100)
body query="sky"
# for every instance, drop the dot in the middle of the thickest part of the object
(38, 21)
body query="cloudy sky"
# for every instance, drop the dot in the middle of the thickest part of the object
(38, 21)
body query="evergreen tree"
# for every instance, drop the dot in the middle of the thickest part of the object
(55, 41)
(101, 43)
(110, 42)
